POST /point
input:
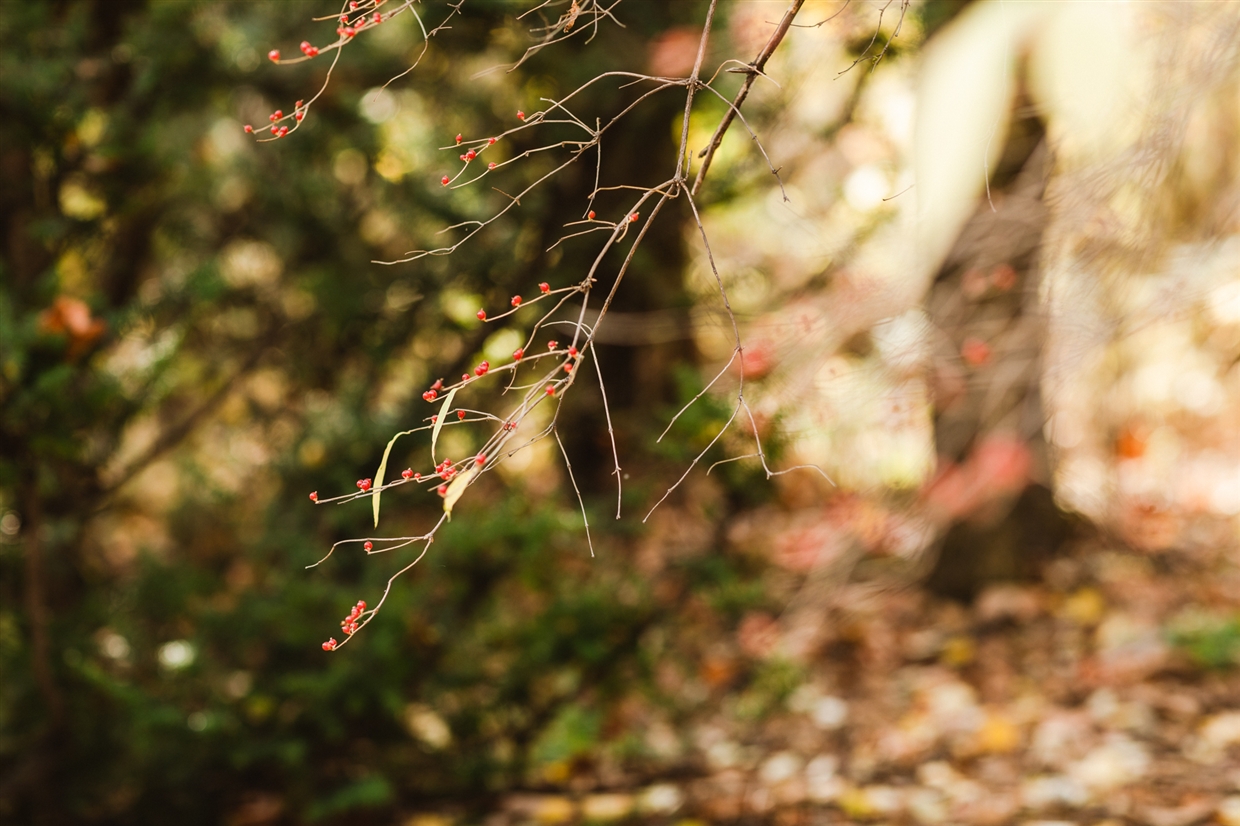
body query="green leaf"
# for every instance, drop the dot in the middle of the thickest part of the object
(443, 413)
(456, 487)
(382, 470)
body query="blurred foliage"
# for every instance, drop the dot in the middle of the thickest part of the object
(1211, 641)
(193, 336)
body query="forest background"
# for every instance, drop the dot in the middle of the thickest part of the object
(1017, 596)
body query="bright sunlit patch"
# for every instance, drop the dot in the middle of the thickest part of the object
(176, 655)
(866, 187)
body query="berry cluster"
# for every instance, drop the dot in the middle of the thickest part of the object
(349, 624)
(299, 112)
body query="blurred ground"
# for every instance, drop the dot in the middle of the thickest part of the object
(1105, 692)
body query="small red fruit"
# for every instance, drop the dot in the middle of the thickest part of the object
(314, 496)
(330, 645)
(274, 55)
(430, 395)
(407, 473)
(572, 351)
(442, 490)
(520, 115)
(518, 353)
(482, 315)
(368, 545)
(458, 137)
(544, 287)
(490, 141)
(481, 459)
(481, 369)
(590, 215)
(568, 367)
(490, 166)
(460, 414)
(633, 217)
(550, 389)
(551, 345)
(444, 180)
(470, 155)
(363, 485)
(249, 130)
(516, 301)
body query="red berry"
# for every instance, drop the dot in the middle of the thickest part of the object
(283, 131)
(516, 301)
(417, 477)
(274, 55)
(470, 155)
(480, 459)
(482, 315)
(490, 141)
(633, 217)
(361, 605)
(460, 414)
(572, 351)
(378, 18)
(518, 353)
(550, 389)
(462, 157)
(330, 645)
(544, 287)
(438, 385)
(464, 377)
(313, 51)
(407, 473)
(276, 115)
(551, 345)
(458, 137)
(363, 484)
(491, 165)
(568, 367)
(442, 490)
(353, 5)
(348, 31)
(299, 115)
(590, 215)
(520, 115)
(249, 130)
(482, 368)
(434, 419)
(305, 46)
(444, 180)
(314, 496)
(368, 545)
(430, 395)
